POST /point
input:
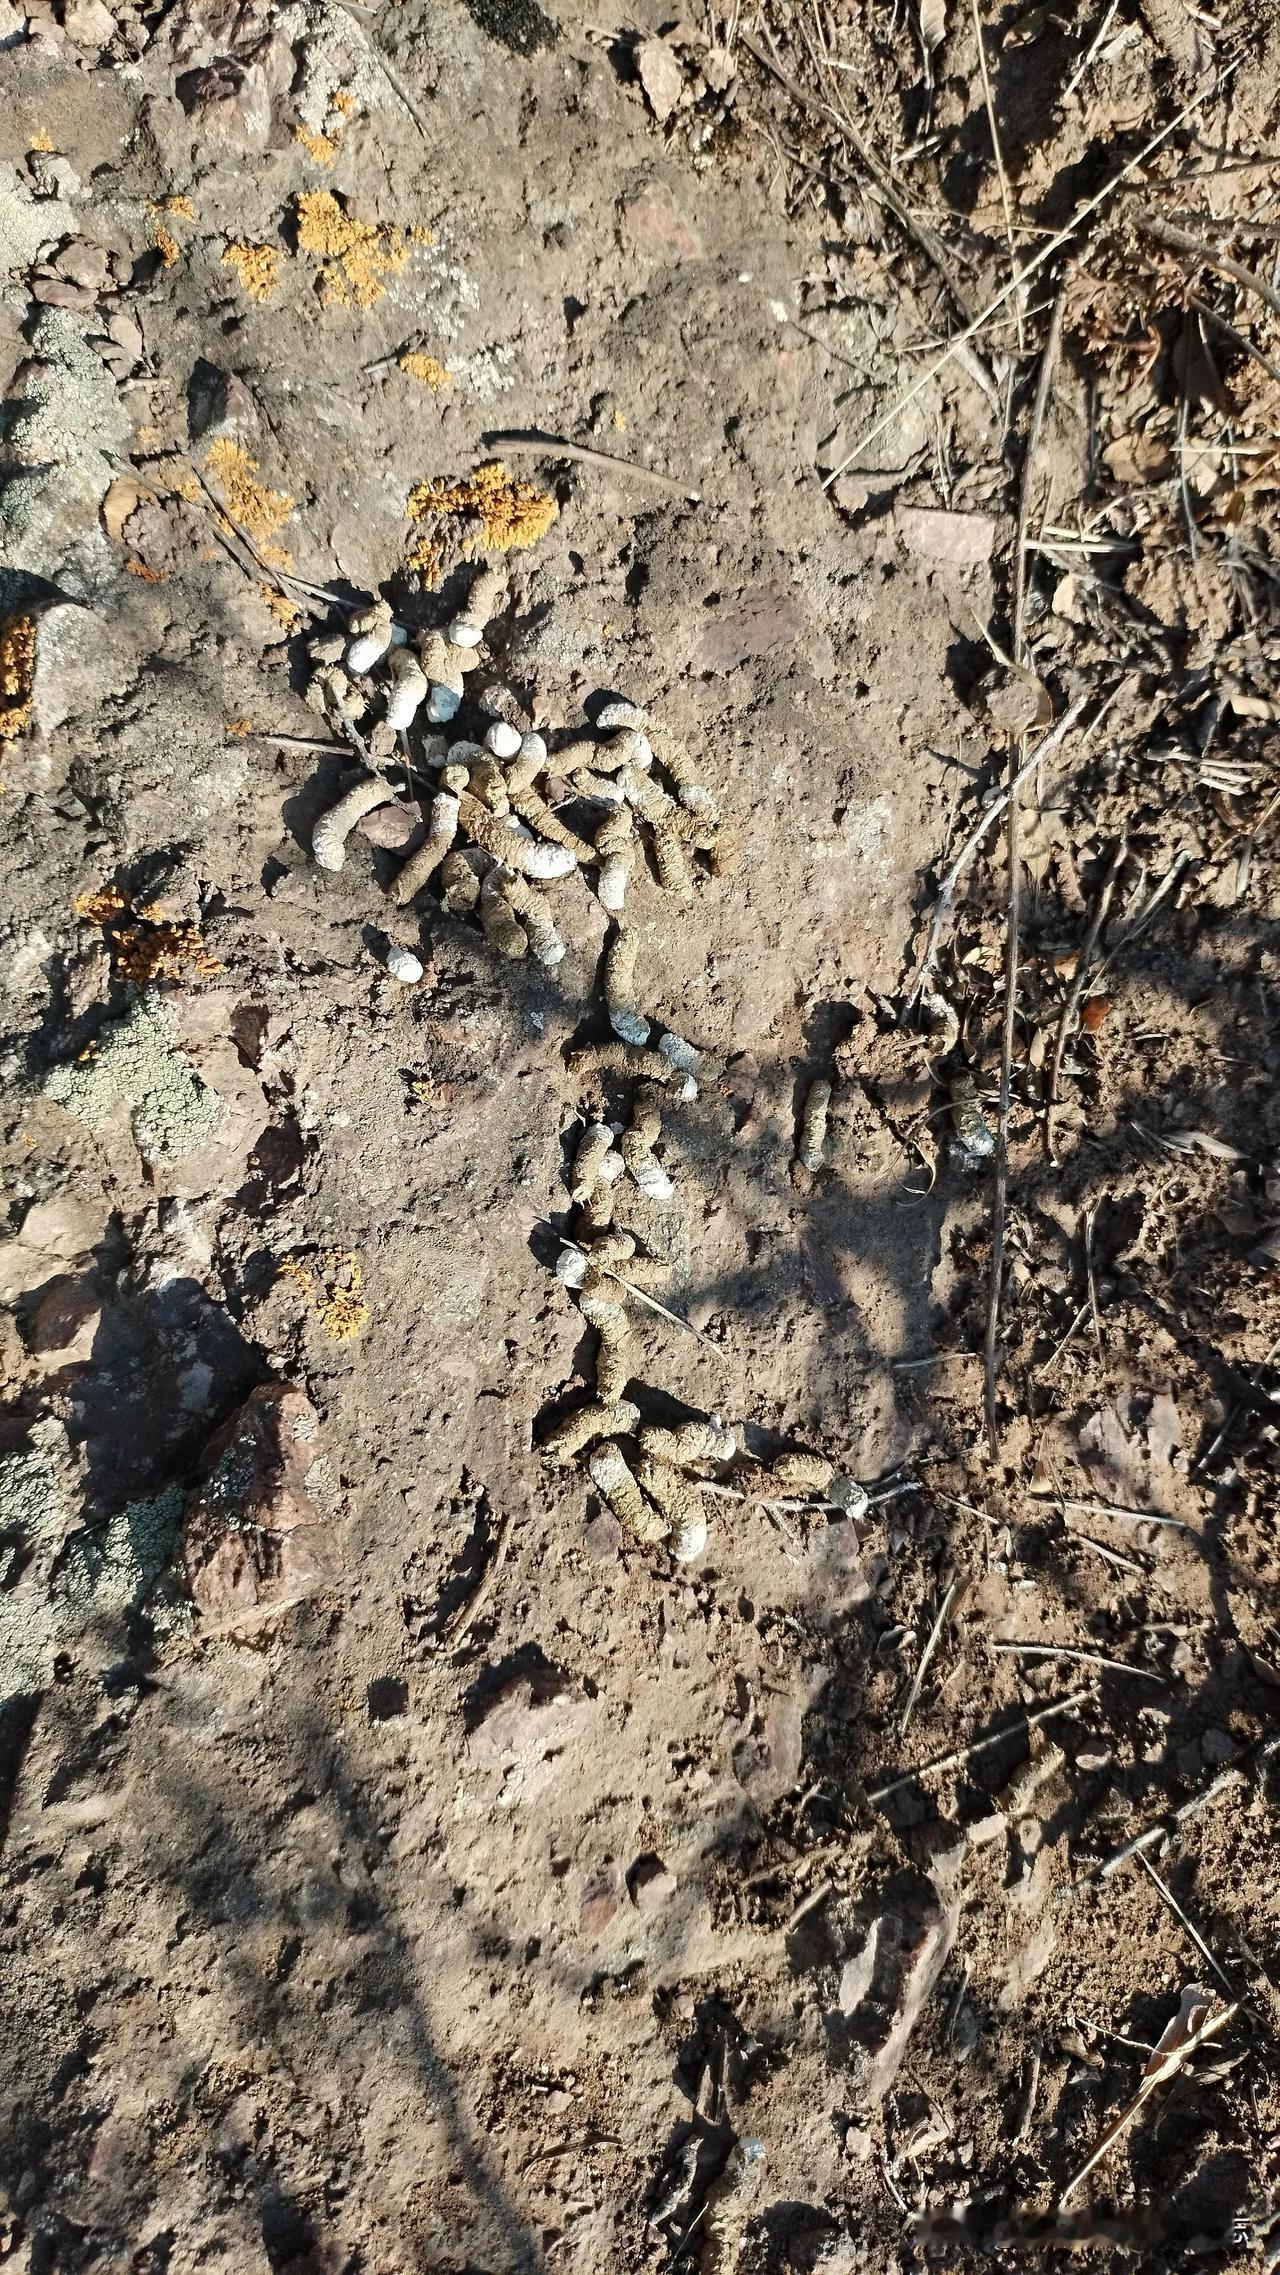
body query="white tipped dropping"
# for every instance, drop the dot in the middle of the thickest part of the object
(404, 966)
(545, 860)
(502, 740)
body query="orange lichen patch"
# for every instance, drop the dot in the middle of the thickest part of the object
(286, 612)
(239, 727)
(355, 257)
(17, 674)
(345, 102)
(147, 947)
(259, 511)
(427, 557)
(425, 369)
(148, 438)
(41, 141)
(257, 267)
(335, 1290)
(167, 246)
(145, 575)
(488, 511)
(180, 204)
(189, 489)
(322, 147)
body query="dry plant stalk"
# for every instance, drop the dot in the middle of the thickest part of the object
(1190, 2028)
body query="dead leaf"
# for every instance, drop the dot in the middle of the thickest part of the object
(1094, 1012)
(660, 76)
(1114, 1461)
(933, 24)
(399, 828)
(956, 540)
(123, 498)
(1136, 459)
(1164, 1429)
(1202, 1141)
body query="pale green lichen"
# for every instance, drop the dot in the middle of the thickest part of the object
(36, 1508)
(110, 1572)
(174, 1112)
(57, 1583)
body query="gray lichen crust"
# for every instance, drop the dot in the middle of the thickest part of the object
(174, 1111)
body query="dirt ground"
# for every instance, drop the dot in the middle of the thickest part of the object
(405, 1866)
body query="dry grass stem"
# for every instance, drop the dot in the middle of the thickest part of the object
(921, 234)
(1085, 1658)
(1170, 1901)
(1071, 1008)
(554, 446)
(1030, 268)
(1181, 241)
(988, 818)
(951, 1599)
(1005, 199)
(1191, 2026)
(963, 1754)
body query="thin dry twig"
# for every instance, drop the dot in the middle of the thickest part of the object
(1092, 50)
(295, 588)
(1238, 339)
(298, 742)
(1086, 1658)
(1031, 268)
(1091, 1277)
(392, 77)
(963, 1754)
(951, 1599)
(1000, 1199)
(1139, 923)
(1116, 1509)
(1181, 241)
(1044, 385)
(1168, 1898)
(465, 1617)
(555, 446)
(1250, 1763)
(1006, 200)
(1110, 1555)
(1071, 1008)
(929, 242)
(641, 1296)
(989, 816)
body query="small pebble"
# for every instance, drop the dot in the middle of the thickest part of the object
(502, 740)
(404, 966)
(461, 634)
(442, 704)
